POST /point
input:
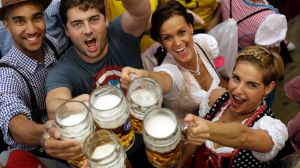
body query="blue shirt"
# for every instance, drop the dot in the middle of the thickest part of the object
(15, 96)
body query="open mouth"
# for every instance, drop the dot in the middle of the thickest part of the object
(237, 101)
(91, 43)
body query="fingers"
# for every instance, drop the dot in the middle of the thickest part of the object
(62, 149)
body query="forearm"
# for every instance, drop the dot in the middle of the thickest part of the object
(239, 136)
(163, 79)
(137, 8)
(52, 106)
(25, 131)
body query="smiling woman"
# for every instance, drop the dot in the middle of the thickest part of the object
(240, 118)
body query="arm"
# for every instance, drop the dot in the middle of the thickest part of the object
(58, 96)
(163, 79)
(216, 19)
(231, 134)
(135, 18)
(25, 131)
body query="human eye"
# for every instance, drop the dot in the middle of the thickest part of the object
(167, 38)
(235, 78)
(252, 85)
(38, 18)
(19, 21)
(181, 32)
(95, 20)
(76, 25)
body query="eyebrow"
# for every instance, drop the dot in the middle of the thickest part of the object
(22, 17)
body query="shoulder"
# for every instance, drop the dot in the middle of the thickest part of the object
(208, 40)
(215, 95)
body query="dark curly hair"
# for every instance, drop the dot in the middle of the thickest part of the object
(84, 5)
(166, 11)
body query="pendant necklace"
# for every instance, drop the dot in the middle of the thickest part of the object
(197, 72)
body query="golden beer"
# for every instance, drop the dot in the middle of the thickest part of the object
(143, 95)
(167, 159)
(125, 136)
(104, 150)
(77, 163)
(137, 124)
(110, 111)
(162, 137)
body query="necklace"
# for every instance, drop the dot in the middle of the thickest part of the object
(197, 72)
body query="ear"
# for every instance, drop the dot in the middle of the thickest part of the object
(66, 31)
(6, 25)
(270, 87)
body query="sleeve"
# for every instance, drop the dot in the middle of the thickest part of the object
(210, 41)
(148, 58)
(278, 132)
(273, 24)
(294, 131)
(14, 100)
(177, 77)
(59, 76)
(55, 26)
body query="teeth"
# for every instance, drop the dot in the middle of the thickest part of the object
(237, 99)
(180, 49)
(89, 39)
(31, 38)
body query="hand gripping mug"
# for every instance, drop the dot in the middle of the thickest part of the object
(110, 111)
(103, 150)
(74, 121)
(163, 138)
(143, 95)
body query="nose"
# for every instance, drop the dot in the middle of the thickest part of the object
(177, 41)
(31, 28)
(87, 29)
(239, 88)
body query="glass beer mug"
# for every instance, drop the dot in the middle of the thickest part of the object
(104, 150)
(143, 95)
(75, 122)
(163, 138)
(110, 111)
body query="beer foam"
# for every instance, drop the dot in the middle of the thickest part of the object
(143, 97)
(73, 119)
(160, 126)
(103, 151)
(107, 102)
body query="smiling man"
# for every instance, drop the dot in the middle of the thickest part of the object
(100, 50)
(22, 74)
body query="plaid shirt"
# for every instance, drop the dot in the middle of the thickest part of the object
(15, 96)
(246, 29)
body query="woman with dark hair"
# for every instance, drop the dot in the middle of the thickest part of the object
(240, 130)
(187, 74)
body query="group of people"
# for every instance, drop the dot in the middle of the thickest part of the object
(228, 118)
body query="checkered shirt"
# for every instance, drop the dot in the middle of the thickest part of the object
(15, 96)
(247, 28)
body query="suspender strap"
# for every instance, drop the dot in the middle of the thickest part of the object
(250, 15)
(32, 94)
(254, 13)
(53, 48)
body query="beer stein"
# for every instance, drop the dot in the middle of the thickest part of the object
(162, 136)
(103, 150)
(143, 95)
(74, 121)
(110, 111)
